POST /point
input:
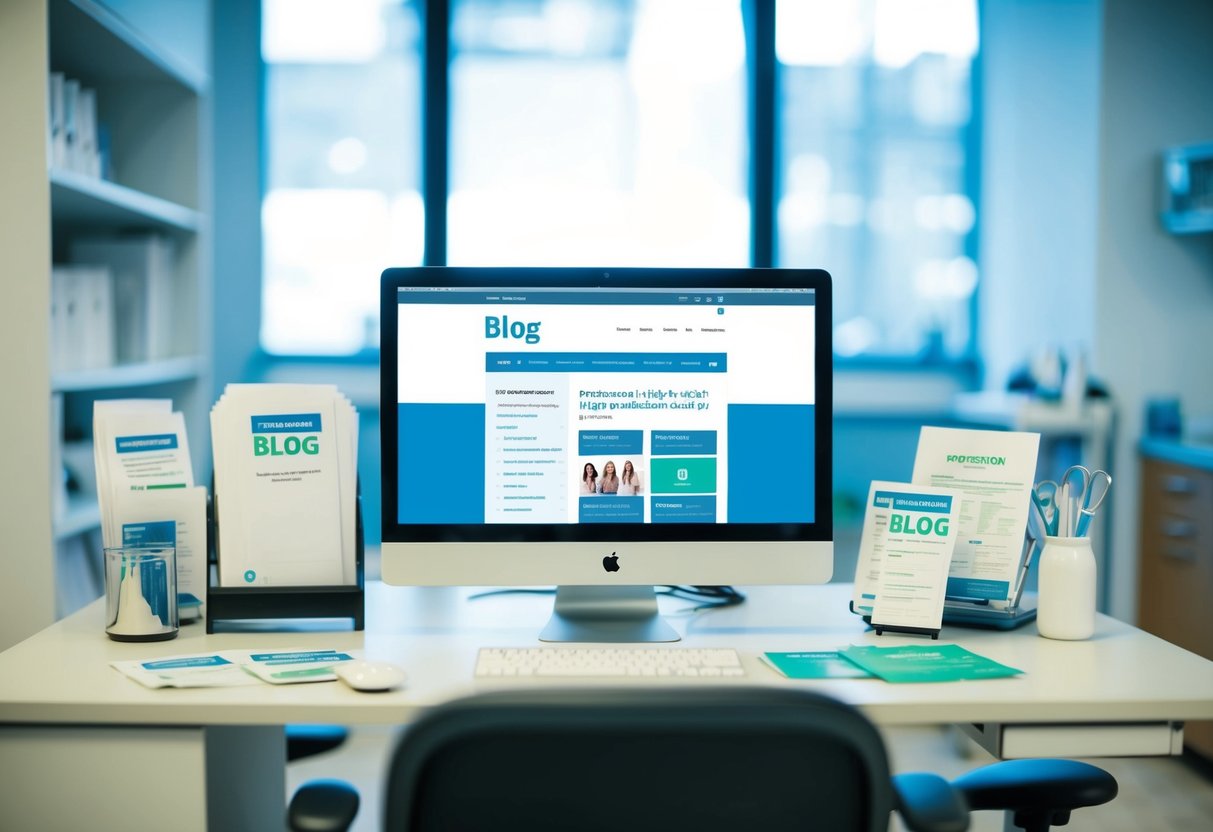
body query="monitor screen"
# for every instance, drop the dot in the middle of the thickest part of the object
(606, 426)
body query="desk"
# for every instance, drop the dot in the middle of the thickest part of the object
(78, 735)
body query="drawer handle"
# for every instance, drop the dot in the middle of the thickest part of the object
(1179, 529)
(1187, 554)
(1178, 485)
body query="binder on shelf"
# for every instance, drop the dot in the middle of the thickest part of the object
(143, 292)
(267, 603)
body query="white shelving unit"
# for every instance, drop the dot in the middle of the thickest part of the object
(155, 110)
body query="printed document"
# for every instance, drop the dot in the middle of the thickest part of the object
(992, 472)
(909, 533)
(285, 485)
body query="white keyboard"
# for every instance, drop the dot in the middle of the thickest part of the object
(586, 662)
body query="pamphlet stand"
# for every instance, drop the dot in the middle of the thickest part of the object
(970, 612)
(881, 629)
(234, 603)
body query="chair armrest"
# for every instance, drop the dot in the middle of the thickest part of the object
(322, 806)
(1036, 784)
(928, 803)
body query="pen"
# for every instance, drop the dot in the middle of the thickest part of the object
(1023, 572)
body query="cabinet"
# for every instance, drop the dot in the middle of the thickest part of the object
(1175, 578)
(153, 115)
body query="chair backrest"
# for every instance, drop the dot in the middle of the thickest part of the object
(705, 759)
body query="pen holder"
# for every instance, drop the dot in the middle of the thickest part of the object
(1065, 606)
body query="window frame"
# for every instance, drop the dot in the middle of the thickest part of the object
(763, 127)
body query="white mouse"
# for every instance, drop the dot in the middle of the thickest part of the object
(368, 676)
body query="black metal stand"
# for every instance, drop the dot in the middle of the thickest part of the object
(881, 629)
(225, 603)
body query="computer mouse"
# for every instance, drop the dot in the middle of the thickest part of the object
(370, 676)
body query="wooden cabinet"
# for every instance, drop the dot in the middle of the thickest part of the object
(1175, 581)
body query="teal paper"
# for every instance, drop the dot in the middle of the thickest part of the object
(820, 665)
(917, 663)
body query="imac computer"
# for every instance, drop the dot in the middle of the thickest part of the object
(604, 431)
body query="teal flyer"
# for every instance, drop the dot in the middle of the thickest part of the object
(816, 665)
(917, 663)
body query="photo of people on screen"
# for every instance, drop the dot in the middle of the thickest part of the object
(589, 479)
(629, 480)
(609, 482)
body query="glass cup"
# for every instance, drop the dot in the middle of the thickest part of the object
(141, 593)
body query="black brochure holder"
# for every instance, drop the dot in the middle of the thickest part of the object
(236, 603)
(881, 629)
(969, 612)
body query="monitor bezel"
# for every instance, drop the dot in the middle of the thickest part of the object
(820, 530)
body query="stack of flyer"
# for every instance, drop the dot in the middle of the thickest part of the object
(146, 491)
(285, 485)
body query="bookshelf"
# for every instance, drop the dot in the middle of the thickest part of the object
(152, 117)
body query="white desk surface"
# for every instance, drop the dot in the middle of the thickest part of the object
(1122, 675)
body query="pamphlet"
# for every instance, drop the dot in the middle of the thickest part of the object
(175, 518)
(285, 485)
(992, 472)
(140, 447)
(909, 532)
(235, 668)
(205, 670)
(916, 663)
(826, 664)
(291, 667)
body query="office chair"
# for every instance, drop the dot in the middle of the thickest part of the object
(716, 758)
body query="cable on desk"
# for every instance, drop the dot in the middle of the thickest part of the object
(710, 597)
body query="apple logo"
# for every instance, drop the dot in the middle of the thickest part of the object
(611, 562)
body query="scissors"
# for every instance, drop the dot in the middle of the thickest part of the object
(1087, 490)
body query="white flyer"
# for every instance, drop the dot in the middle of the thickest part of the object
(992, 471)
(175, 517)
(285, 485)
(909, 533)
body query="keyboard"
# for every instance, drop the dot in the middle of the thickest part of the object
(598, 662)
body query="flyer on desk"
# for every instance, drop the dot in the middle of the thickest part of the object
(909, 532)
(992, 472)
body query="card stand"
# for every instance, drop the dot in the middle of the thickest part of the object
(881, 629)
(225, 603)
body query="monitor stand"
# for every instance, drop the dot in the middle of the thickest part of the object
(615, 614)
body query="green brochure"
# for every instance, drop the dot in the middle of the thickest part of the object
(825, 664)
(918, 663)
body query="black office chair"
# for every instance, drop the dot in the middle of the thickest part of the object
(709, 758)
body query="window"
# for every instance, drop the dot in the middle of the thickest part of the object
(622, 132)
(875, 110)
(598, 133)
(342, 198)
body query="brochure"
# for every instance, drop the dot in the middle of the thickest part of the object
(291, 667)
(235, 668)
(140, 447)
(909, 533)
(992, 472)
(285, 485)
(175, 518)
(825, 664)
(203, 670)
(936, 663)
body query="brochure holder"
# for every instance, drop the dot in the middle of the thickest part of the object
(234, 603)
(970, 612)
(881, 629)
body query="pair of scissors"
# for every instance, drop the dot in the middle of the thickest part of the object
(1087, 489)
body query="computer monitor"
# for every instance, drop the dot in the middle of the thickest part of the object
(604, 431)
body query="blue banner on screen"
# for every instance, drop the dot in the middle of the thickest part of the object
(598, 406)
